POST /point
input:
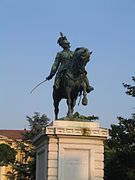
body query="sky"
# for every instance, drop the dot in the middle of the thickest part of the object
(29, 31)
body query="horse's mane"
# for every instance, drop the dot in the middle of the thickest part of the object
(79, 62)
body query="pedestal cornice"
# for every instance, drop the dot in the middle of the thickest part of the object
(74, 128)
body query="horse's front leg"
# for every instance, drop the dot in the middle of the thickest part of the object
(70, 112)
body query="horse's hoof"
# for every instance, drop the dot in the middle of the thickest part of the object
(84, 101)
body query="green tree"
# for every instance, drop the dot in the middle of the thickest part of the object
(7, 155)
(120, 151)
(120, 147)
(130, 88)
(36, 124)
(24, 169)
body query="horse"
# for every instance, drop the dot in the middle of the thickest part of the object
(72, 82)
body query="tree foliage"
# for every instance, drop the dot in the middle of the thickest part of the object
(130, 88)
(7, 155)
(27, 168)
(120, 147)
(120, 151)
(36, 123)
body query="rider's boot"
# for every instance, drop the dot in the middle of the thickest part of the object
(89, 88)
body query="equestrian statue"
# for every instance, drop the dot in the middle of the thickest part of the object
(71, 77)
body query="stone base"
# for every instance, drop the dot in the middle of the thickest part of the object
(70, 150)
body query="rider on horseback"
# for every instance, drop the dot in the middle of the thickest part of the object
(63, 61)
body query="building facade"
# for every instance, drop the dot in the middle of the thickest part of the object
(11, 138)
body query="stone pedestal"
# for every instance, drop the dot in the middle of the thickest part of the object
(70, 150)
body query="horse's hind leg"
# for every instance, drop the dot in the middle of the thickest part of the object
(73, 103)
(56, 108)
(56, 101)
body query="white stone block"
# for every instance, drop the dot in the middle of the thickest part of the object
(98, 173)
(52, 171)
(52, 178)
(52, 163)
(53, 147)
(53, 155)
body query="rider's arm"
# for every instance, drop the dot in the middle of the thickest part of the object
(54, 67)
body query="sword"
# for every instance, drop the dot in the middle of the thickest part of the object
(38, 85)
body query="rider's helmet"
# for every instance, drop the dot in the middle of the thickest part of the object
(62, 40)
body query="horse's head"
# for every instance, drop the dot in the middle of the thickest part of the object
(82, 56)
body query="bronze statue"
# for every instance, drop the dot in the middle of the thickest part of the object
(71, 77)
(62, 61)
